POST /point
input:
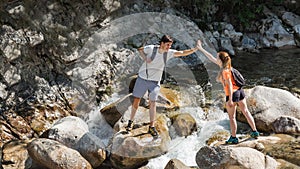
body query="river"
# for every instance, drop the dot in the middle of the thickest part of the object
(271, 67)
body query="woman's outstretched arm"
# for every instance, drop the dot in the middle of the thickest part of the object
(207, 54)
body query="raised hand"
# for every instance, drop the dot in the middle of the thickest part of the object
(199, 44)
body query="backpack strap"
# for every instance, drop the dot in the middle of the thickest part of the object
(154, 52)
(165, 67)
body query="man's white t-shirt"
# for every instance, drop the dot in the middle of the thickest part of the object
(153, 71)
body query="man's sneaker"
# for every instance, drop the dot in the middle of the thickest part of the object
(232, 140)
(153, 131)
(129, 125)
(254, 134)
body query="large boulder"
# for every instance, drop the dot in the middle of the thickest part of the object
(279, 146)
(184, 124)
(134, 149)
(74, 133)
(274, 34)
(53, 154)
(233, 157)
(267, 105)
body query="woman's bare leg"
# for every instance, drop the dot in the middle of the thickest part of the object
(231, 113)
(243, 106)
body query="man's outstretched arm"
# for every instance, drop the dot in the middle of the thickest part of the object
(188, 51)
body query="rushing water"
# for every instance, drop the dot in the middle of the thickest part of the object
(275, 68)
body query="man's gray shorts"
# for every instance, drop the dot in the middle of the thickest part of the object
(142, 85)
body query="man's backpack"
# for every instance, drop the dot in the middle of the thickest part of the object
(238, 78)
(152, 58)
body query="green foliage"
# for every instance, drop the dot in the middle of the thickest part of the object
(241, 12)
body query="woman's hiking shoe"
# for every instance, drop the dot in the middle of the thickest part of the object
(129, 125)
(254, 134)
(232, 140)
(153, 131)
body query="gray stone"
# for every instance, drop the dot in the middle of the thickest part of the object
(233, 157)
(267, 104)
(52, 154)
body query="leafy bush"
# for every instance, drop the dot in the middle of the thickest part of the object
(241, 13)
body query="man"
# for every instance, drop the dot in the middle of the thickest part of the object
(150, 74)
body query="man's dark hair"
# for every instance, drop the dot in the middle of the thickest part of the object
(165, 38)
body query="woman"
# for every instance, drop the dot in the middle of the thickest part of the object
(234, 94)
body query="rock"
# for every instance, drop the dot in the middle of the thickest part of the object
(212, 39)
(134, 149)
(249, 43)
(286, 148)
(291, 19)
(225, 44)
(267, 104)
(286, 124)
(184, 124)
(113, 112)
(168, 99)
(279, 146)
(11, 76)
(297, 34)
(176, 164)
(275, 33)
(53, 154)
(233, 157)
(15, 126)
(87, 144)
(218, 138)
(15, 155)
(63, 130)
(92, 149)
(286, 164)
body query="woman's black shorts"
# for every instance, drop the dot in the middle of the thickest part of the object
(237, 96)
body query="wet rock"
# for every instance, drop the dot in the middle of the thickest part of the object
(184, 124)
